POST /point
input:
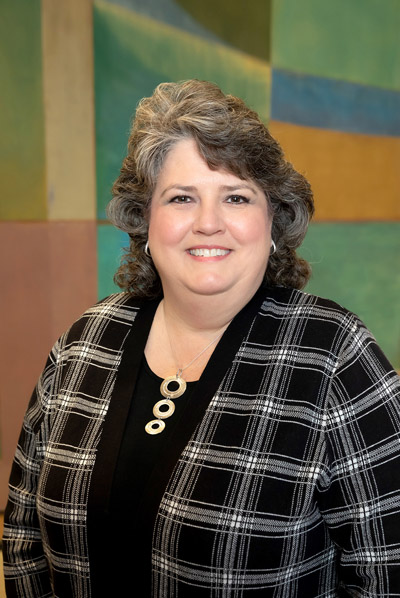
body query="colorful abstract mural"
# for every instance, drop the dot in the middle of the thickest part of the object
(47, 192)
(134, 52)
(327, 78)
(335, 108)
(324, 75)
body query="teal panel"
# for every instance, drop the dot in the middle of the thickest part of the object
(110, 242)
(133, 54)
(357, 265)
(356, 41)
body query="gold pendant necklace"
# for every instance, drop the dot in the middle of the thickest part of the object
(166, 407)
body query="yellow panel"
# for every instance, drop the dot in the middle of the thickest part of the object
(354, 177)
(69, 108)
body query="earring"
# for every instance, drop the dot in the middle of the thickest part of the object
(273, 248)
(146, 248)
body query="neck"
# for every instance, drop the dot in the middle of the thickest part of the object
(202, 313)
(183, 326)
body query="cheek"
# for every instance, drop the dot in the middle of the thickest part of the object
(165, 229)
(256, 229)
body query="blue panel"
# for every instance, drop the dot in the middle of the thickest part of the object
(332, 104)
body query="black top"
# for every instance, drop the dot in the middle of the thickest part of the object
(139, 453)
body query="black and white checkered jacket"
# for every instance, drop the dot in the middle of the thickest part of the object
(285, 481)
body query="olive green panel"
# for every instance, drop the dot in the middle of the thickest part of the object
(22, 158)
(356, 40)
(243, 25)
(357, 265)
(134, 53)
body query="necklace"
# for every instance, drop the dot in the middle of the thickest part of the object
(172, 387)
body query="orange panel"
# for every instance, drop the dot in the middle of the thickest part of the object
(49, 278)
(354, 177)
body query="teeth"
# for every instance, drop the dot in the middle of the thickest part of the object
(208, 252)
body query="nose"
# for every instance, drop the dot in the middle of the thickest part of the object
(208, 219)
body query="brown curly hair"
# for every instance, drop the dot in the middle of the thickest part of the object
(229, 135)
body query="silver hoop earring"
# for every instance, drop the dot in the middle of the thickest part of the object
(146, 248)
(273, 248)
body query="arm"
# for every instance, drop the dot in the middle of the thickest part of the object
(361, 504)
(26, 569)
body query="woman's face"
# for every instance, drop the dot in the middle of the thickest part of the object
(209, 231)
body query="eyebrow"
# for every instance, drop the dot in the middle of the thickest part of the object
(191, 188)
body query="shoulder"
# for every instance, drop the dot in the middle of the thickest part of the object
(120, 306)
(113, 315)
(292, 303)
(319, 334)
(313, 321)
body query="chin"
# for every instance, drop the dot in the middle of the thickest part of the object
(210, 287)
(210, 292)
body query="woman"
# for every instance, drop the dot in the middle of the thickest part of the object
(211, 431)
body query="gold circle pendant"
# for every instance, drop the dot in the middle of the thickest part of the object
(155, 426)
(161, 413)
(172, 394)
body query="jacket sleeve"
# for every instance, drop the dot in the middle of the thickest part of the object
(26, 569)
(361, 500)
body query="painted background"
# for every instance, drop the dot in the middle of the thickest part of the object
(325, 75)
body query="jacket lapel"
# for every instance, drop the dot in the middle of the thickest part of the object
(114, 423)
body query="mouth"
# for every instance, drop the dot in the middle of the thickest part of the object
(205, 252)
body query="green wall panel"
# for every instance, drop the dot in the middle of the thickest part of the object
(357, 265)
(134, 53)
(22, 161)
(355, 40)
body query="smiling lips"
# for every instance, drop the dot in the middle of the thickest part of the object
(205, 252)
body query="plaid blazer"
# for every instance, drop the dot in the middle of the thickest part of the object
(285, 481)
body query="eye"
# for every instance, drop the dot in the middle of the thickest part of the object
(180, 199)
(237, 199)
